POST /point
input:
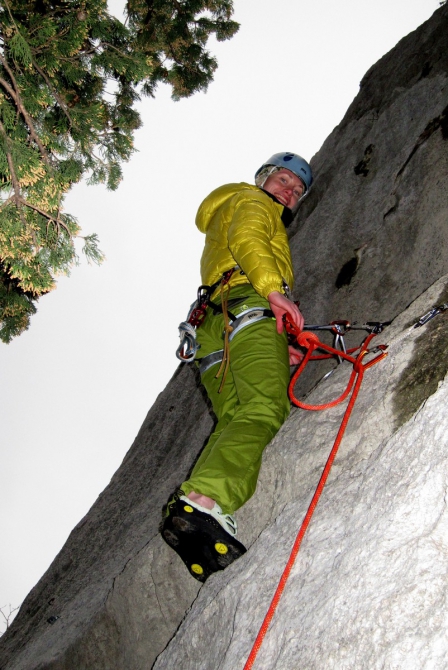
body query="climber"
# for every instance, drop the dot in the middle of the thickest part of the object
(245, 233)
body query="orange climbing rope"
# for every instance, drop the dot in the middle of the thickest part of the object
(311, 342)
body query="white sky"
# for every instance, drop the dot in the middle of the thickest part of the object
(77, 385)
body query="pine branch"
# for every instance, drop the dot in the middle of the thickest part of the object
(9, 12)
(16, 185)
(51, 219)
(55, 93)
(114, 48)
(51, 39)
(14, 180)
(58, 124)
(21, 107)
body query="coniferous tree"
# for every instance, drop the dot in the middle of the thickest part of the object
(70, 75)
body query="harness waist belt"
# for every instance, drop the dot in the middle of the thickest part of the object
(251, 315)
(246, 318)
(207, 362)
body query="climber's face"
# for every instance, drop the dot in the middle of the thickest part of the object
(285, 186)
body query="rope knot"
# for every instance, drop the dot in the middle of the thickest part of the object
(306, 338)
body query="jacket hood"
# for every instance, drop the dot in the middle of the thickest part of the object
(213, 202)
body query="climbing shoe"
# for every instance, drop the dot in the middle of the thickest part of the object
(204, 539)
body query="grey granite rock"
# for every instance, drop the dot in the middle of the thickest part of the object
(369, 587)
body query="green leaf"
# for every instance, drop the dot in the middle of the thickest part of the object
(20, 50)
(91, 250)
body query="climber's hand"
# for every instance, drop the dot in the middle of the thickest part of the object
(280, 305)
(295, 356)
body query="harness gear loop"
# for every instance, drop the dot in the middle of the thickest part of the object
(188, 347)
(312, 343)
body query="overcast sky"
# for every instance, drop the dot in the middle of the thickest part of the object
(77, 385)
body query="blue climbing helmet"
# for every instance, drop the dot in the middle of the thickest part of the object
(292, 162)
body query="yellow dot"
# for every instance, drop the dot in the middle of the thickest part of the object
(196, 568)
(221, 548)
(188, 508)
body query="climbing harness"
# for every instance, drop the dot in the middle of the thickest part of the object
(311, 342)
(208, 361)
(188, 346)
(245, 318)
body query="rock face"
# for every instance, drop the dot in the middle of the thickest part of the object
(369, 585)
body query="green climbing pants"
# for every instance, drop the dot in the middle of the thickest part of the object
(250, 409)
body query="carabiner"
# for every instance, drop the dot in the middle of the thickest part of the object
(340, 327)
(437, 309)
(186, 351)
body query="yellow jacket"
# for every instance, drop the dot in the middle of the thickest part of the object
(243, 227)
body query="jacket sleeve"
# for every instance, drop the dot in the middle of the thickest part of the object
(250, 232)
